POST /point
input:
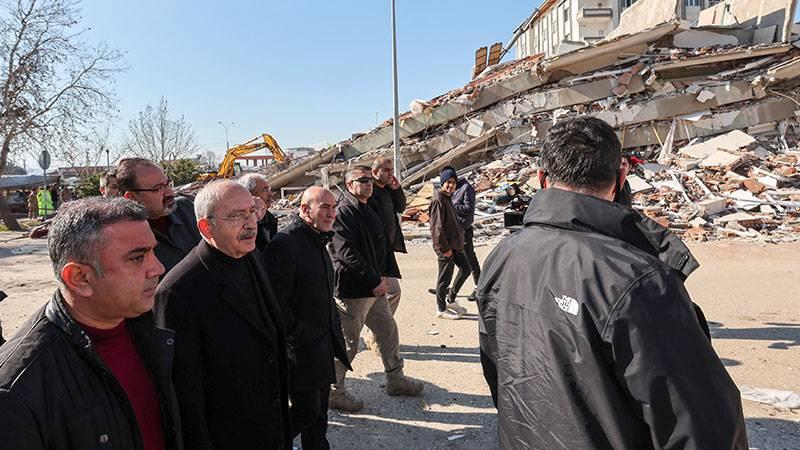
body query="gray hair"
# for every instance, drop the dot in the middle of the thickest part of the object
(210, 196)
(249, 180)
(76, 234)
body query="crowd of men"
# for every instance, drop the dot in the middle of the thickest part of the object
(196, 324)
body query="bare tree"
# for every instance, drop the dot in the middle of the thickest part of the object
(53, 84)
(90, 149)
(210, 160)
(158, 137)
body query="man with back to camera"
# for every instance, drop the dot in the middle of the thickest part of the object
(90, 369)
(230, 351)
(171, 218)
(359, 259)
(302, 277)
(594, 336)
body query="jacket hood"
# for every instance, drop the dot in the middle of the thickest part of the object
(581, 212)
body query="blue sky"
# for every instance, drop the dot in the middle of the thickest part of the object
(307, 72)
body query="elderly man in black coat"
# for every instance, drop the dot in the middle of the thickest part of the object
(302, 276)
(230, 368)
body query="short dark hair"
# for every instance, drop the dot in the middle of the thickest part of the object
(378, 163)
(76, 232)
(126, 172)
(583, 152)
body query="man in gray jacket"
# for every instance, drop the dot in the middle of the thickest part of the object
(585, 314)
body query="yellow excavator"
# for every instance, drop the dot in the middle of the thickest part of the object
(226, 167)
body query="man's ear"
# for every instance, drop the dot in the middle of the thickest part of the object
(204, 226)
(76, 277)
(542, 178)
(130, 195)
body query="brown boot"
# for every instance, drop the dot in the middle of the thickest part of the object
(341, 400)
(399, 384)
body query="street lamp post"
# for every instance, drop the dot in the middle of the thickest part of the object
(398, 170)
(227, 143)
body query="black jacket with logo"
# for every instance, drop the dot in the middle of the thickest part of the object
(359, 248)
(597, 343)
(56, 393)
(301, 274)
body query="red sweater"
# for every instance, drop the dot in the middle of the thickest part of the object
(117, 350)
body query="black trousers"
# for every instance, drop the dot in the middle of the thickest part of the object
(472, 259)
(446, 266)
(310, 417)
(488, 352)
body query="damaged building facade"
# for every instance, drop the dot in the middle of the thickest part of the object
(560, 26)
(713, 108)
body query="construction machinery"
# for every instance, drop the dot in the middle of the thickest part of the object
(226, 167)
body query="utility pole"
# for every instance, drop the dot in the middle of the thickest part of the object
(398, 170)
(227, 143)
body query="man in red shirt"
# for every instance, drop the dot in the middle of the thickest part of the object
(90, 368)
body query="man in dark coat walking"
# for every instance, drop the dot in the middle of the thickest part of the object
(230, 349)
(302, 277)
(596, 341)
(447, 238)
(359, 258)
(388, 200)
(90, 369)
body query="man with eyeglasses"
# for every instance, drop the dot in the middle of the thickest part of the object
(230, 367)
(171, 218)
(359, 259)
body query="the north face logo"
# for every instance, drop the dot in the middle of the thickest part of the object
(568, 304)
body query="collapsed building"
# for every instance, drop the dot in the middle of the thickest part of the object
(712, 107)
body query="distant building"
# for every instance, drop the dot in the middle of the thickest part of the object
(560, 26)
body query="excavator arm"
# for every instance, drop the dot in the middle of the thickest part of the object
(226, 168)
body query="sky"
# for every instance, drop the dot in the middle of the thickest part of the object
(308, 72)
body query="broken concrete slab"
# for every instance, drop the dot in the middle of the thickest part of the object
(722, 159)
(645, 14)
(605, 53)
(702, 38)
(732, 141)
(750, 14)
(638, 185)
(711, 206)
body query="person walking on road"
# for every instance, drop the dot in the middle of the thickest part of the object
(448, 244)
(359, 259)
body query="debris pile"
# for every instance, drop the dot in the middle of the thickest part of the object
(713, 108)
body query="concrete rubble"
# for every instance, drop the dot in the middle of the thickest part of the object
(715, 103)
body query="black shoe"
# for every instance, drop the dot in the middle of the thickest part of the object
(432, 291)
(472, 297)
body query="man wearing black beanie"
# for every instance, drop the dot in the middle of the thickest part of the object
(448, 243)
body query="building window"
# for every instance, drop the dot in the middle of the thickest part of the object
(692, 3)
(625, 4)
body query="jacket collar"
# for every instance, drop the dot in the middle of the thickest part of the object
(319, 238)
(57, 313)
(211, 259)
(580, 212)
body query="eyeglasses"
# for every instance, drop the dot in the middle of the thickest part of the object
(160, 188)
(238, 218)
(364, 180)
